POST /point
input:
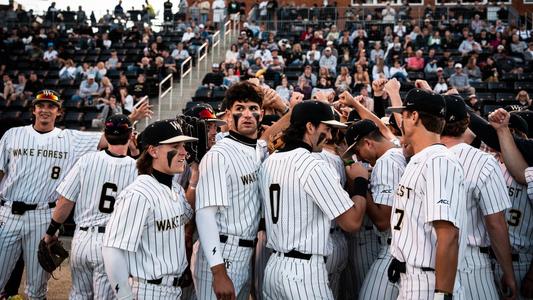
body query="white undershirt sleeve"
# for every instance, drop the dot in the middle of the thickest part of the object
(209, 235)
(115, 262)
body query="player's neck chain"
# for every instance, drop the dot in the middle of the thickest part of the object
(296, 144)
(163, 178)
(242, 139)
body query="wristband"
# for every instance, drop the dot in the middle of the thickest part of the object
(441, 295)
(360, 187)
(53, 227)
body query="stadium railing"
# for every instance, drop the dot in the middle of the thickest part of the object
(202, 54)
(185, 68)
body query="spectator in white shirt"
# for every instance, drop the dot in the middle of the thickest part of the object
(179, 53)
(388, 14)
(232, 54)
(315, 53)
(399, 29)
(264, 54)
(329, 61)
(188, 35)
(469, 45)
(50, 55)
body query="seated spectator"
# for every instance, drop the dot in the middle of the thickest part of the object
(459, 81)
(361, 76)
(441, 86)
(255, 67)
(472, 70)
(109, 108)
(123, 81)
(344, 80)
(180, 53)
(69, 71)
(367, 101)
(380, 70)
(398, 71)
(20, 86)
(113, 62)
(518, 47)
(50, 56)
(105, 83)
(161, 71)
(523, 99)
(528, 54)
(264, 54)
(329, 61)
(284, 90)
(399, 29)
(469, 45)
(33, 85)
(431, 68)
(434, 40)
(275, 55)
(232, 54)
(126, 100)
(88, 89)
(489, 72)
(9, 89)
(106, 42)
(100, 70)
(376, 53)
(323, 85)
(449, 70)
(333, 34)
(188, 35)
(230, 77)
(309, 76)
(169, 62)
(139, 89)
(416, 63)
(313, 54)
(304, 88)
(214, 78)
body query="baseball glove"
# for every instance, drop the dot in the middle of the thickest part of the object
(50, 256)
(197, 128)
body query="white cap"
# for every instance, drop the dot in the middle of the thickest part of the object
(201, 26)
(329, 43)
(501, 47)
(458, 65)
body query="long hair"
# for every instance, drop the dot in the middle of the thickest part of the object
(144, 163)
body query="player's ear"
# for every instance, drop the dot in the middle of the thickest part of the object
(152, 151)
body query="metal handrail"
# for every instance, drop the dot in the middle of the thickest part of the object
(185, 73)
(164, 93)
(216, 41)
(200, 58)
(227, 31)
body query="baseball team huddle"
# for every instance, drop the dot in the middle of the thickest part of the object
(307, 199)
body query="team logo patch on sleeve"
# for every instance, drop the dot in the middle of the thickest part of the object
(443, 201)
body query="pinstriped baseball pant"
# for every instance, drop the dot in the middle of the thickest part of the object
(89, 279)
(520, 269)
(294, 278)
(23, 232)
(337, 260)
(238, 262)
(377, 285)
(476, 276)
(262, 253)
(416, 284)
(147, 291)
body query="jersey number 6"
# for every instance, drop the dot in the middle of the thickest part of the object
(107, 202)
(274, 190)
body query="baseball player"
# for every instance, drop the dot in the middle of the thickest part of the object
(428, 217)
(388, 163)
(520, 215)
(487, 200)
(337, 260)
(33, 161)
(227, 200)
(302, 195)
(144, 237)
(92, 186)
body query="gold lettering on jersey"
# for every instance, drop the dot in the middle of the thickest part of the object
(404, 191)
(40, 153)
(249, 178)
(172, 223)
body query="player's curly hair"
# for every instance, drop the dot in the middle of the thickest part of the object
(243, 91)
(457, 128)
(144, 163)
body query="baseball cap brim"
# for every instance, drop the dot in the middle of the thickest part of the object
(397, 109)
(349, 152)
(335, 123)
(218, 121)
(179, 139)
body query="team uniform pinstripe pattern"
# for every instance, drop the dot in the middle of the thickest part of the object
(34, 164)
(337, 260)
(228, 179)
(301, 195)
(148, 222)
(93, 184)
(431, 188)
(486, 195)
(384, 179)
(520, 221)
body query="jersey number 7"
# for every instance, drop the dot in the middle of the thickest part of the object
(398, 225)
(274, 191)
(107, 202)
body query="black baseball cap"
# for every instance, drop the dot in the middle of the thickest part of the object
(49, 96)
(455, 108)
(269, 119)
(164, 132)
(527, 115)
(205, 112)
(118, 125)
(314, 112)
(423, 101)
(518, 123)
(353, 116)
(356, 132)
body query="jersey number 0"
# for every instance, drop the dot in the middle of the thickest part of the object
(107, 202)
(274, 191)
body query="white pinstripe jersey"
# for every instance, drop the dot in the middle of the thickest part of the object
(148, 222)
(385, 178)
(335, 162)
(431, 189)
(485, 190)
(301, 195)
(520, 215)
(94, 183)
(35, 163)
(228, 179)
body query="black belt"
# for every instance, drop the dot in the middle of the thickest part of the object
(297, 254)
(101, 229)
(396, 267)
(176, 282)
(515, 256)
(242, 242)
(19, 208)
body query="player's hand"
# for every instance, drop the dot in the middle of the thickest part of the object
(195, 174)
(255, 81)
(272, 100)
(377, 86)
(324, 96)
(50, 239)
(347, 99)
(509, 286)
(423, 85)
(527, 286)
(222, 285)
(142, 111)
(392, 87)
(132, 146)
(356, 170)
(499, 118)
(296, 98)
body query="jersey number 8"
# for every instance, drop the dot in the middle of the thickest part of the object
(107, 202)
(55, 172)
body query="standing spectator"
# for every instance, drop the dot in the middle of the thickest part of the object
(167, 11)
(459, 81)
(233, 10)
(388, 14)
(204, 7)
(119, 10)
(218, 12)
(81, 17)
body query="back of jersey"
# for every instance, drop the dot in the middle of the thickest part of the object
(94, 183)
